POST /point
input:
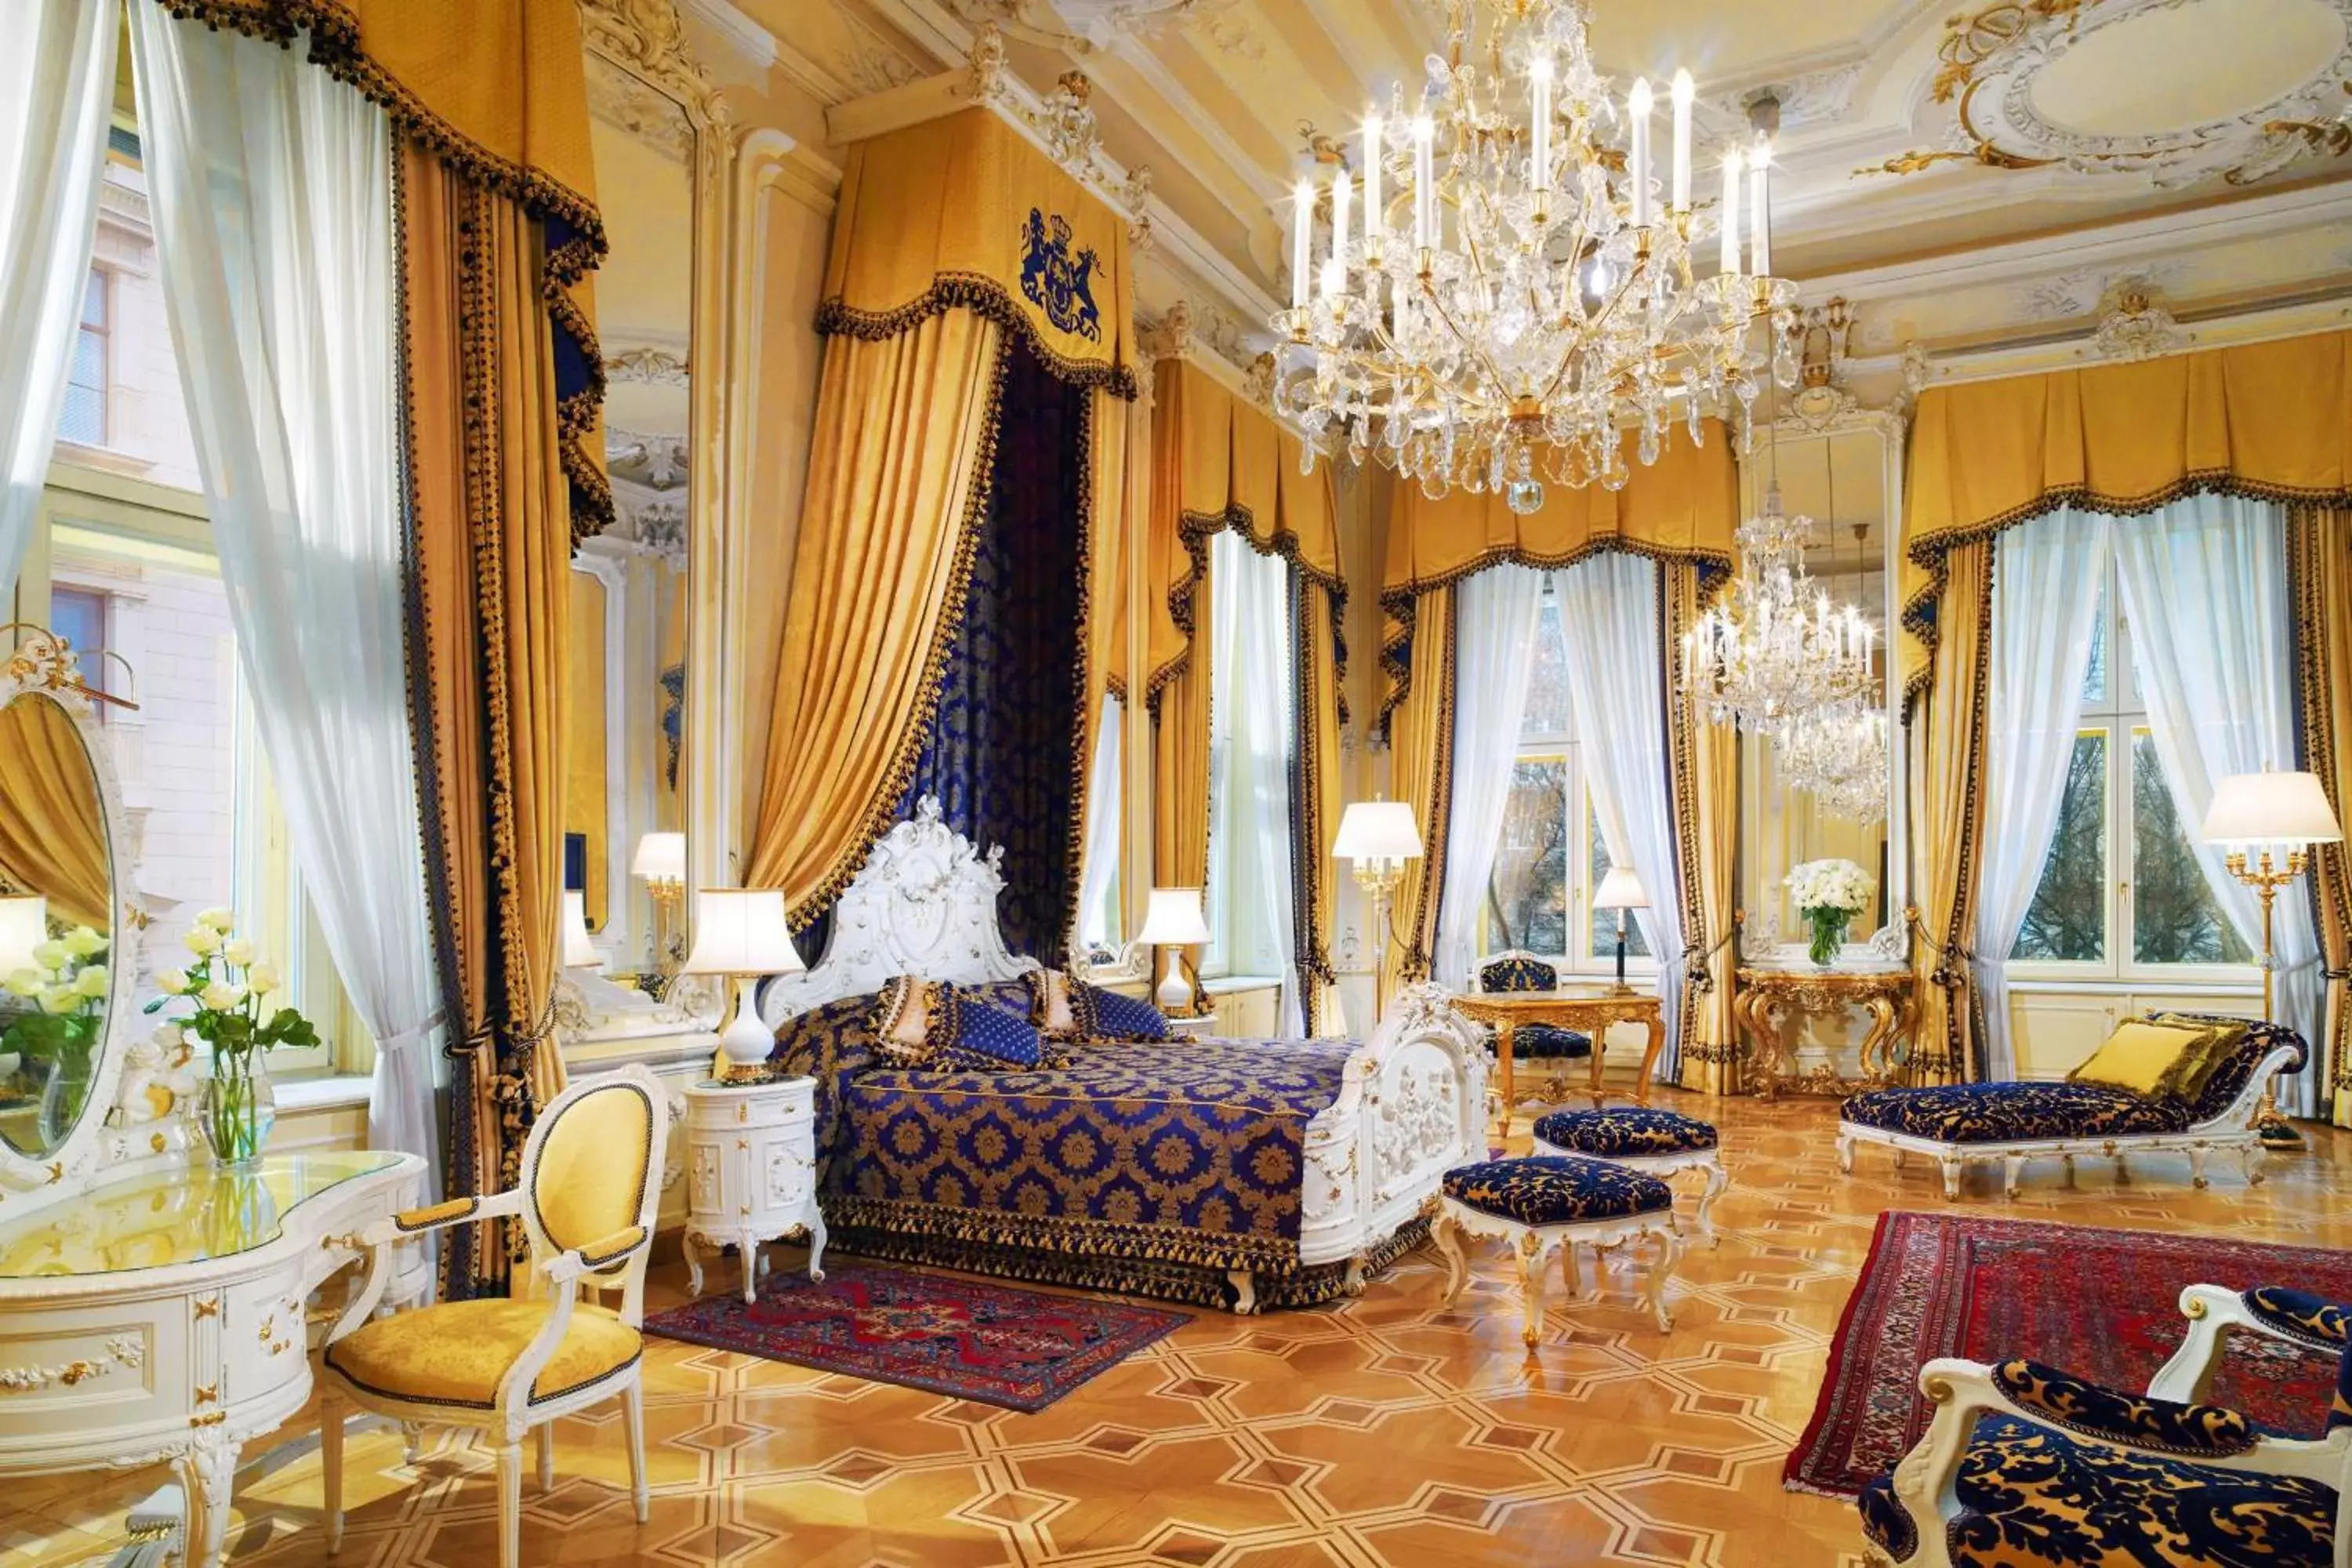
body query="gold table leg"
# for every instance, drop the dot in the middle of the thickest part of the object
(1504, 1075)
(1649, 1054)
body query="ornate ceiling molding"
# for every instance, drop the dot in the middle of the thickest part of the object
(646, 37)
(1081, 25)
(1993, 56)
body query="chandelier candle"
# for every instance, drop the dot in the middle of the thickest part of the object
(1302, 229)
(1637, 104)
(1728, 256)
(1682, 96)
(1374, 150)
(1339, 193)
(1759, 232)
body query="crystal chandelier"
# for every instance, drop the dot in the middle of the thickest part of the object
(1838, 754)
(1773, 649)
(1514, 291)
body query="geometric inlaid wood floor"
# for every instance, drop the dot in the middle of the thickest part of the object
(1383, 1430)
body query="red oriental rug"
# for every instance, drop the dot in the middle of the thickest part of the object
(2101, 1304)
(994, 1344)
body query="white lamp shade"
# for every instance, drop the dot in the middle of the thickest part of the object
(578, 951)
(24, 926)
(1378, 830)
(660, 858)
(742, 931)
(1620, 889)
(1174, 919)
(2271, 808)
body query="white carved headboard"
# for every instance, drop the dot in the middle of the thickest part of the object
(924, 904)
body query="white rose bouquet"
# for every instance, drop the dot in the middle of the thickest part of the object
(60, 1000)
(232, 1014)
(1829, 894)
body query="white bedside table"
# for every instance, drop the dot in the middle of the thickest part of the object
(750, 1173)
(1192, 1028)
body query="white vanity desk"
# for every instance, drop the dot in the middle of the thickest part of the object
(162, 1314)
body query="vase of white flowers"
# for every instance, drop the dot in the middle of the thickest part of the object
(54, 1040)
(1829, 894)
(232, 1014)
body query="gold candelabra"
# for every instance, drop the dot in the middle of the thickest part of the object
(2265, 876)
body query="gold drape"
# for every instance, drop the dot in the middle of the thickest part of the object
(1946, 739)
(52, 826)
(2265, 419)
(1421, 770)
(964, 213)
(491, 585)
(2319, 582)
(897, 486)
(1318, 804)
(1705, 796)
(1684, 506)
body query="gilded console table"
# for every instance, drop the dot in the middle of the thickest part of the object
(1766, 995)
(1588, 1009)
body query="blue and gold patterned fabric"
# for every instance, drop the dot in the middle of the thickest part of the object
(1107, 1015)
(832, 1043)
(2139, 1419)
(1194, 1155)
(1533, 1042)
(1885, 1521)
(2300, 1316)
(2004, 1112)
(1518, 974)
(2229, 1079)
(1623, 1131)
(968, 1026)
(1556, 1189)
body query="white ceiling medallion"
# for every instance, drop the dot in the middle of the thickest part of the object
(2174, 91)
(1081, 24)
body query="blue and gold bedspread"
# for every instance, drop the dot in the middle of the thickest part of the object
(1190, 1151)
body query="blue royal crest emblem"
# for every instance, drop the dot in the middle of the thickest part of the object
(1058, 282)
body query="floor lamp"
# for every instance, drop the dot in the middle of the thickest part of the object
(1378, 837)
(2260, 815)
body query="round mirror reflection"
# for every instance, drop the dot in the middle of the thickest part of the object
(57, 927)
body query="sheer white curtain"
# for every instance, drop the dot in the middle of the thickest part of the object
(2204, 583)
(2045, 607)
(1608, 622)
(57, 91)
(1494, 635)
(273, 220)
(1100, 870)
(1251, 683)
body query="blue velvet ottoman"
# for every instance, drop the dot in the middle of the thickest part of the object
(1659, 1143)
(1544, 1201)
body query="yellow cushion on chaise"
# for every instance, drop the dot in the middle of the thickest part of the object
(2139, 1057)
(455, 1353)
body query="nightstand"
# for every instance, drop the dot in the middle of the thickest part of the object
(1192, 1028)
(750, 1152)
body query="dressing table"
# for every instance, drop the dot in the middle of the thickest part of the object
(155, 1307)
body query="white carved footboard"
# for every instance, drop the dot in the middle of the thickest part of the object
(1410, 1110)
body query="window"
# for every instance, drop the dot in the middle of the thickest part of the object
(2122, 895)
(84, 420)
(1252, 740)
(1552, 855)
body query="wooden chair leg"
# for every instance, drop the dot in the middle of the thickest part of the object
(547, 1457)
(331, 1464)
(1457, 1268)
(510, 1504)
(632, 1427)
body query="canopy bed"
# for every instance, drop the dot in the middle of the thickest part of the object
(1245, 1174)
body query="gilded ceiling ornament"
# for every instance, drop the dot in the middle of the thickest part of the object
(2137, 328)
(1992, 58)
(1082, 25)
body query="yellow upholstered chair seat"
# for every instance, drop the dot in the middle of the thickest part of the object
(455, 1353)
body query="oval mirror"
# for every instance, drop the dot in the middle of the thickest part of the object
(56, 925)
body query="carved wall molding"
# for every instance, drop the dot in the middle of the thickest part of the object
(646, 37)
(648, 365)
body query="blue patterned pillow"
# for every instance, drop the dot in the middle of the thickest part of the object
(1107, 1015)
(965, 1027)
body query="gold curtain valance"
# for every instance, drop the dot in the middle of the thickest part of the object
(1684, 506)
(1220, 461)
(963, 212)
(2265, 419)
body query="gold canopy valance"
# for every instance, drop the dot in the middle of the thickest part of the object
(964, 212)
(2265, 419)
(1684, 506)
(1220, 461)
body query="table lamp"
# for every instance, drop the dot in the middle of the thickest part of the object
(660, 861)
(1173, 919)
(579, 949)
(742, 932)
(1621, 890)
(24, 926)
(1379, 837)
(2270, 812)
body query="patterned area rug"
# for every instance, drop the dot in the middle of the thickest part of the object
(2101, 1304)
(994, 1344)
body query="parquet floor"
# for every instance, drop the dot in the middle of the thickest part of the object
(1386, 1430)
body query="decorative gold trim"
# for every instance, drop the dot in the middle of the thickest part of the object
(983, 297)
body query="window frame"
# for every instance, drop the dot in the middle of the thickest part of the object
(103, 275)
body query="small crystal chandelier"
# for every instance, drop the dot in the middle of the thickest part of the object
(1838, 754)
(1510, 341)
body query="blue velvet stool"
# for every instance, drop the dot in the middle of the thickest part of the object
(1659, 1143)
(1542, 1202)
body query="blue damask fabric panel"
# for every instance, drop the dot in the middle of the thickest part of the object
(1000, 753)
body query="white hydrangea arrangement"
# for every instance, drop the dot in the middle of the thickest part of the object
(1829, 894)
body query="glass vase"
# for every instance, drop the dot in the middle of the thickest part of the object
(1829, 932)
(239, 1107)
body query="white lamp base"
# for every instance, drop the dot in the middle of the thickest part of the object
(1175, 994)
(745, 1043)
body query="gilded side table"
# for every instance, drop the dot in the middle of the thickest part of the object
(1588, 1009)
(1766, 997)
(750, 1162)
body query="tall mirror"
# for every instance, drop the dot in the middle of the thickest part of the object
(58, 928)
(623, 820)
